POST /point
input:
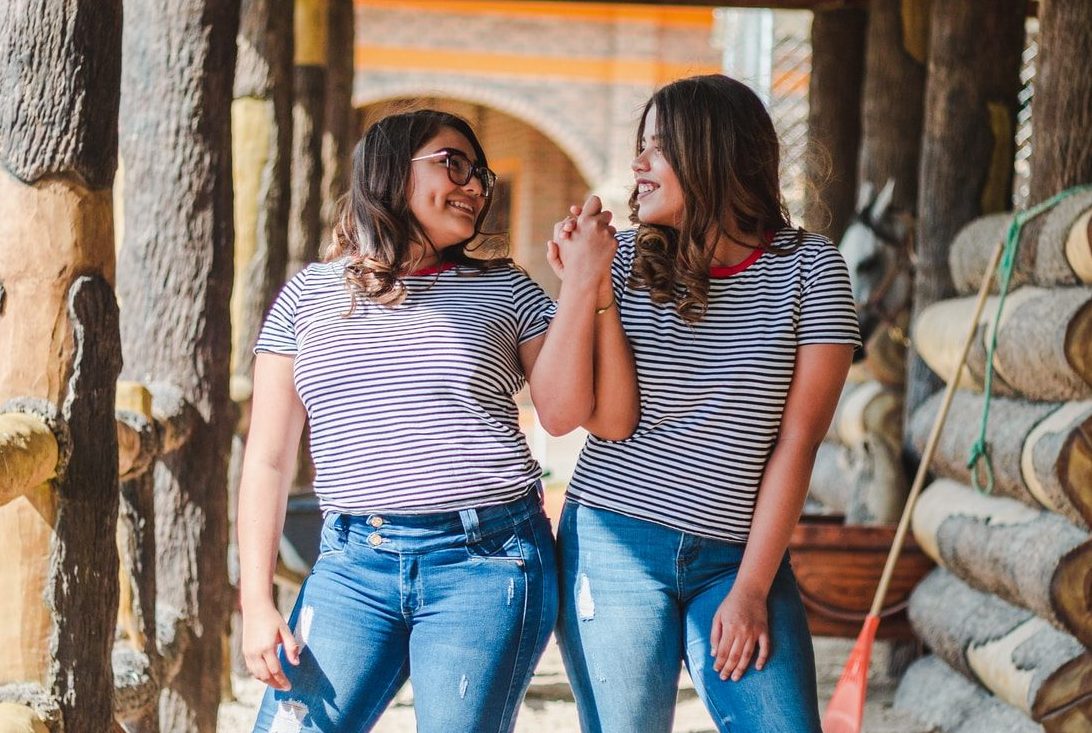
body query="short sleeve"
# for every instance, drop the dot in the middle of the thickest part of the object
(278, 333)
(827, 311)
(531, 303)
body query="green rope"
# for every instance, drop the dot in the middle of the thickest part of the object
(980, 452)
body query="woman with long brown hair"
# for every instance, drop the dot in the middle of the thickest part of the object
(672, 543)
(404, 352)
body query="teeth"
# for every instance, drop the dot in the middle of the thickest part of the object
(645, 187)
(460, 205)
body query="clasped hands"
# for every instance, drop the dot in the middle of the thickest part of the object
(583, 248)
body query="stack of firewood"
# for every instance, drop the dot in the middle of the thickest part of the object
(858, 472)
(1008, 614)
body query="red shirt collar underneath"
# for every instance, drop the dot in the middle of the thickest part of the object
(729, 270)
(432, 269)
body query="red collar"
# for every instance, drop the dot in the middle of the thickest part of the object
(729, 270)
(716, 272)
(432, 269)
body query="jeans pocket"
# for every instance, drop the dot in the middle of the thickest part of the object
(332, 539)
(500, 546)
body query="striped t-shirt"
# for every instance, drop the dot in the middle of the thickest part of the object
(411, 407)
(713, 392)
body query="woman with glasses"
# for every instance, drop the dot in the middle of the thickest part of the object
(672, 543)
(404, 352)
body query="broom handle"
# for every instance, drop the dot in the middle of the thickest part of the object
(934, 437)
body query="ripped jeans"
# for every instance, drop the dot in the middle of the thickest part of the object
(638, 599)
(461, 603)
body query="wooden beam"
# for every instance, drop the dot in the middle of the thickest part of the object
(29, 454)
(1039, 451)
(1016, 655)
(1032, 559)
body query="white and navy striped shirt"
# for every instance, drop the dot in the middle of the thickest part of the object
(713, 392)
(411, 407)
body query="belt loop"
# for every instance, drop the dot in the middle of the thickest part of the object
(471, 526)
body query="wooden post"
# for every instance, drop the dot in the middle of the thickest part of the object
(136, 704)
(834, 118)
(308, 105)
(60, 65)
(894, 89)
(1062, 106)
(261, 120)
(339, 131)
(967, 146)
(175, 275)
(892, 102)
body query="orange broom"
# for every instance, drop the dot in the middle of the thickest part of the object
(846, 706)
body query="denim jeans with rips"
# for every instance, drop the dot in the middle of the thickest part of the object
(638, 599)
(461, 603)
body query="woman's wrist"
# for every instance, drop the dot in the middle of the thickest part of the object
(604, 299)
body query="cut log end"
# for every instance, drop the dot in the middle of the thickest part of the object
(1078, 343)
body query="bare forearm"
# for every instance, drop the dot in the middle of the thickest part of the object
(617, 404)
(562, 380)
(262, 497)
(780, 500)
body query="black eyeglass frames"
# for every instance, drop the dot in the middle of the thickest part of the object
(460, 169)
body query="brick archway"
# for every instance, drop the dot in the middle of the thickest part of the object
(588, 160)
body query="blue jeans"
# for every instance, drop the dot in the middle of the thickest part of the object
(461, 603)
(637, 598)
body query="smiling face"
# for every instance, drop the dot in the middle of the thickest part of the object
(659, 193)
(446, 211)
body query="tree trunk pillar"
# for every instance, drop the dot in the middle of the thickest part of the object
(834, 118)
(308, 106)
(261, 121)
(60, 68)
(967, 147)
(1062, 106)
(894, 92)
(339, 130)
(175, 278)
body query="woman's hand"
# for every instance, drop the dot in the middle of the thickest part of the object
(740, 625)
(583, 243)
(263, 629)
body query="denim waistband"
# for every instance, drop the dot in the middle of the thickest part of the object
(475, 522)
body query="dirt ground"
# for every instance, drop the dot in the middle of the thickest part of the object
(549, 707)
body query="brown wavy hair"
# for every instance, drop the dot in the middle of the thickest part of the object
(376, 228)
(720, 142)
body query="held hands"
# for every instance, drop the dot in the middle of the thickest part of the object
(740, 625)
(263, 629)
(583, 245)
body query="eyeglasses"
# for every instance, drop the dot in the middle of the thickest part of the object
(460, 170)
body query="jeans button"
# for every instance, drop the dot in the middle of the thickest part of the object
(375, 539)
(376, 522)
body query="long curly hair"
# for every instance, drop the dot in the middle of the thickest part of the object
(720, 142)
(375, 228)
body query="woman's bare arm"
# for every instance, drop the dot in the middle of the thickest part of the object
(740, 624)
(269, 465)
